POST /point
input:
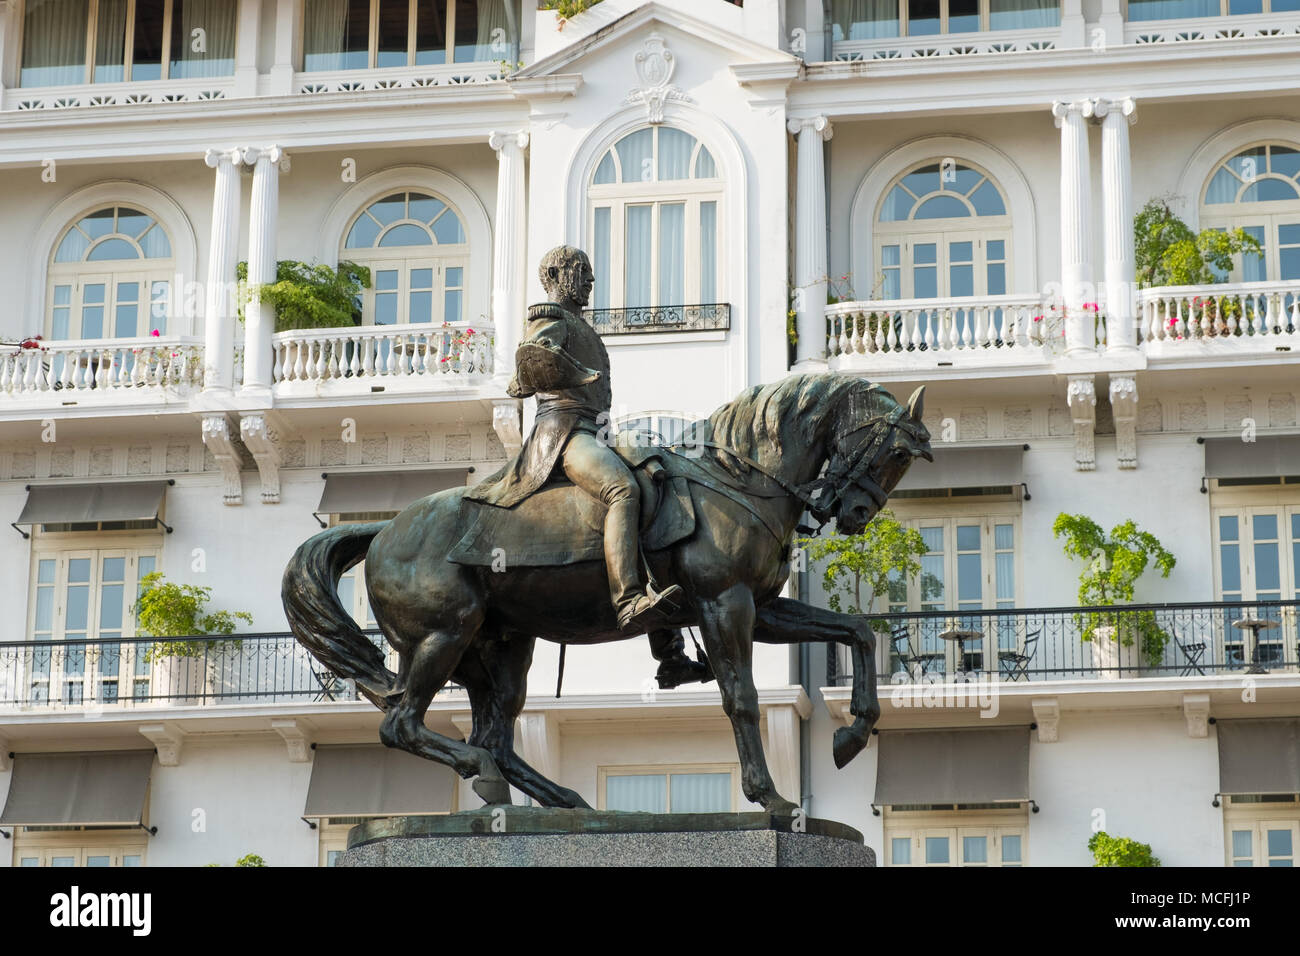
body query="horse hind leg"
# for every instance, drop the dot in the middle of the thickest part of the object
(494, 672)
(429, 663)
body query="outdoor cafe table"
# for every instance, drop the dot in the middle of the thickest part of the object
(960, 635)
(1253, 625)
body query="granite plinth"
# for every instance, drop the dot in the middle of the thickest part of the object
(537, 836)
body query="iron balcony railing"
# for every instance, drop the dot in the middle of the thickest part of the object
(1071, 643)
(101, 674)
(714, 316)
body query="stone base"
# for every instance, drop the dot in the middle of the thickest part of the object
(539, 836)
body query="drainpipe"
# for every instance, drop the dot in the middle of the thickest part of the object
(805, 726)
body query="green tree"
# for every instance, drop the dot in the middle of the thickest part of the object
(1115, 562)
(861, 567)
(1120, 851)
(1168, 252)
(166, 609)
(250, 859)
(313, 297)
(567, 9)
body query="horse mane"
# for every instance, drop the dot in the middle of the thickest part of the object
(771, 414)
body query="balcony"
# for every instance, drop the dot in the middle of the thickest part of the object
(114, 675)
(709, 317)
(1197, 29)
(118, 94)
(1018, 645)
(1220, 321)
(949, 44)
(414, 359)
(105, 373)
(397, 78)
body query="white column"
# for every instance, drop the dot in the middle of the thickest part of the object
(1117, 224)
(263, 216)
(1076, 222)
(810, 241)
(1072, 25)
(223, 253)
(288, 46)
(247, 42)
(508, 251)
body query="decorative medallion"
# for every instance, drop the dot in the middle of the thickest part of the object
(655, 64)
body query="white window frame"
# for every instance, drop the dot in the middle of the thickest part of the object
(80, 845)
(691, 193)
(604, 772)
(1258, 819)
(449, 18)
(993, 825)
(984, 27)
(1236, 214)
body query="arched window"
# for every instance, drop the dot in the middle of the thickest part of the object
(942, 231)
(110, 277)
(1258, 190)
(418, 254)
(654, 205)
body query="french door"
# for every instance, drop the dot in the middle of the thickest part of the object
(1272, 843)
(1258, 559)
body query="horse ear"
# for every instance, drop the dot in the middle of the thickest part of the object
(916, 404)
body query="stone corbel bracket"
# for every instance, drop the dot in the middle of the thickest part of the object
(1196, 710)
(1124, 403)
(259, 435)
(168, 738)
(506, 423)
(6, 762)
(1081, 396)
(219, 439)
(1047, 714)
(295, 736)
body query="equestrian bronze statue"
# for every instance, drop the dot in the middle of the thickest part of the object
(464, 582)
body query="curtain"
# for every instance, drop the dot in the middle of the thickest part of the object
(600, 258)
(494, 17)
(640, 793)
(701, 792)
(110, 42)
(675, 148)
(637, 257)
(672, 254)
(323, 34)
(216, 18)
(635, 155)
(864, 19)
(54, 42)
(708, 252)
(1025, 14)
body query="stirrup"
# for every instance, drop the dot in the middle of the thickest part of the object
(639, 613)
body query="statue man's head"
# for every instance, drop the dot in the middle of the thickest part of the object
(566, 276)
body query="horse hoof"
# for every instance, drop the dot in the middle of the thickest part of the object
(782, 808)
(848, 744)
(493, 790)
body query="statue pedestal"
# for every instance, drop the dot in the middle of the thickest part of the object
(539, 836)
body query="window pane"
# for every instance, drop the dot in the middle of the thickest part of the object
(708, 252)
(431, 32)
(1239, 7)
(605, 172)
(127, 315)
(900, 851)
(936, 849)
(672, 254)
(98, 860)
(1269, 190)
(600, 258)
(705, 167)
(975, 849)
(146, 49)
(482, 31)
(54, 46)
(643, 793)
(963, 16)
(1011, 849)
(637, 257)
(897, 205)
(113, 249)
(864, 19)
(132, 859)
(390, 46)
(63, 861)
(405, 234)
(942, 207)
(1025, 14)
(701, 792)
(203, 38)
(636, 156)
(110, 42)
(988, 201)
(922, 17)
(447, 229)
(675, 148)
(1171, 9)
(336, 35)
(1241, 841)
(1279, 842)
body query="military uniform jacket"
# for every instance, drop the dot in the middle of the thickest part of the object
(559, 413)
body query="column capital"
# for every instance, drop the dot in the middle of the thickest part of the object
(275, 155)
(1125, 107)
(499, 139)
(818, 124)
(215, 157)
(1062, 109)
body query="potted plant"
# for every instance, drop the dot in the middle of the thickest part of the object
(1120, 851)
(181, 669)
(862, 567)
(1115, 562)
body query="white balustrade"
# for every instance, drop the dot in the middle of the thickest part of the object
(953, 44)
(931, 329)
(1260, 314)
(450, 354)
(106, 366)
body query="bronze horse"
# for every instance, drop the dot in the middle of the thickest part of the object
(477, 627)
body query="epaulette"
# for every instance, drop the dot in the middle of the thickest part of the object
(548, 310)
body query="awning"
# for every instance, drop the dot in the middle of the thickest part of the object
(384, 490)
(103, 501)
(369, 779)
(1268, 456)
(107, 788)
(1259, 755)
(978, 466)
(960, 765)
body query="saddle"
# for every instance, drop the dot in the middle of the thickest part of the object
(561, 524)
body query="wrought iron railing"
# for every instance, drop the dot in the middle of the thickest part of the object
(101, 674)
(1064, 643)
(714, 316)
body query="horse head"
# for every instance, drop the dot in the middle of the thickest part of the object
(871, 449)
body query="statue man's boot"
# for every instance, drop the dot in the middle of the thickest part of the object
(637, 608)
(675, 667)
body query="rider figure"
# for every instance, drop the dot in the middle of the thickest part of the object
(563, 362)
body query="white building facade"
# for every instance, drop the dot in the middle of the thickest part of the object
(920, 193)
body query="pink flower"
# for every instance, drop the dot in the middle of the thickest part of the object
(155, 333)
(1090, 306)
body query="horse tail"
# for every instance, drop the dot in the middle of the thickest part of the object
(309, 591)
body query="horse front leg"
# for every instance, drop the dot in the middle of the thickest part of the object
(786, 621)
(727, 624)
